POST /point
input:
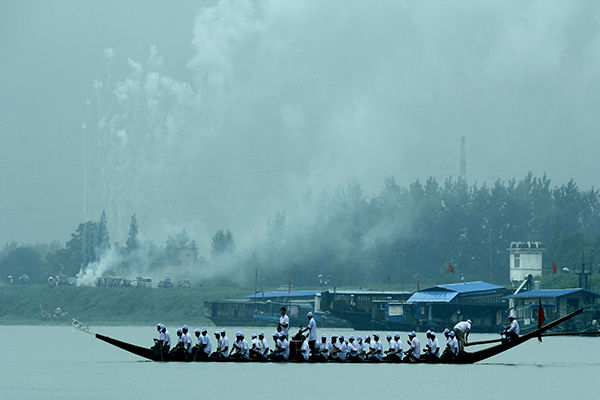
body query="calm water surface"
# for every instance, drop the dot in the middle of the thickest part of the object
(61, 363)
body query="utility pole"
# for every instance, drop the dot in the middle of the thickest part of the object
(490, 251)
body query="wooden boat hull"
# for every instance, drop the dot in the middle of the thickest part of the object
(463, 358)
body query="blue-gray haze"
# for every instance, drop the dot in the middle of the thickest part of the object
(202, 115)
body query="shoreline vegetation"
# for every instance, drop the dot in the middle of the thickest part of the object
(20, 305)
(115, 306)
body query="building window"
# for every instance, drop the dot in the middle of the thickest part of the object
(517, 260)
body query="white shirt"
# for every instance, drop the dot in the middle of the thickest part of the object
(393, 346)
(361, 348)
(454, 345)
(180, 339)
(242, 346)
(463, 326)
(399, 347)
(434, 347)
(323, 347)
(305, 350)
(286, 348)
(161, 336)
(335, 350)
(312, 325)
(352, 349)
(415, 344)
(344, 352)
(187, 342)
(167, 338)
(265, 346)
(284, 319)
(224, 345)
(256, 344)
(204, 339)
(514, 327)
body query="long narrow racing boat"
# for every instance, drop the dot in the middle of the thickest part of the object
(463, 358)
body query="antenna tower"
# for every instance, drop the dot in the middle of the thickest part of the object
(463, 160)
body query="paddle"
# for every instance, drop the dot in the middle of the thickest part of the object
(593, 333)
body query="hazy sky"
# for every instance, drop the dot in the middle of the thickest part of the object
(217, 114)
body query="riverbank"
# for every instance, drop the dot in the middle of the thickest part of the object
(37, 304)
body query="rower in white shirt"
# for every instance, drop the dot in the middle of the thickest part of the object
(167, 339)
(433, 345)
(265, 345)
(335, 348)
(361, 348)
(240, 349)
(453, 343)
(378, 347)
(284, 322)
(352, 349)
(282, 348)
(513, 330)
(224, 345)
(390, 353)
(343, 348)
(304, 351)
(187, 339)
(375, 348)
(399, 347)
(203, 347)
(322, 349)
(217, 352)
(414, 353)
(158, 343)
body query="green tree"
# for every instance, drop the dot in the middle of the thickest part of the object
(132, 242)
(222, 243)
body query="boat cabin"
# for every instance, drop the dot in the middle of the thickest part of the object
(556, 303)
(443, 306)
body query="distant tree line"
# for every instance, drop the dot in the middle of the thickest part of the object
(405, 234)
(90, 242)
(400, 235)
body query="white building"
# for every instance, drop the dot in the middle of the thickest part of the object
(525, 259)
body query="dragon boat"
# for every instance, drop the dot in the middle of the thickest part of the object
(464, 357)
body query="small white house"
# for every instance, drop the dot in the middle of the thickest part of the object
(525, 259)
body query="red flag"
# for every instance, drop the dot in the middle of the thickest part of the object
(553, 268)
(418, 287)
(541, 317)
(450, 268)
(290, 286)
(350, 281)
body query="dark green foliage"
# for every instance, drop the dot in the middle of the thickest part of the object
(132, 243)
(412, 233)
(222, 243)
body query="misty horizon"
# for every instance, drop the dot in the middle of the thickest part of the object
(219, 115)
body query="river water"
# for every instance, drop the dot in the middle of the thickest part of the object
(48, 362)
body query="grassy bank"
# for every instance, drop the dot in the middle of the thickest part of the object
(112, 306)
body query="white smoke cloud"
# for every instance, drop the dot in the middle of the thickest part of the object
(290, 96)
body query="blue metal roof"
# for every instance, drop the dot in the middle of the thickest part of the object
(467, 287)
(437, 296)
(267, 295)
(549, 293)
(446, 293)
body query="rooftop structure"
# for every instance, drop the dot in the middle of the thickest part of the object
(525, 260)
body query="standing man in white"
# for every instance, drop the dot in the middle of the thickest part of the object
(284, 323)
(312, 335)
(462, 330)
